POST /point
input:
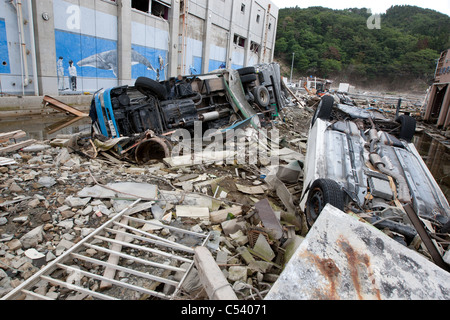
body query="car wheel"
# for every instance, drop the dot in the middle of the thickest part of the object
(323, 109)
(246, 70)
(149, 86)
(322, 192)
(261, 95)
(408, 127)
(248, 78)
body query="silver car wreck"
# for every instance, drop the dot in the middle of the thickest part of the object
(362, 163)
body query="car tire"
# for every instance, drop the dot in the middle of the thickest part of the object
(262, 96)
(246, 70)
(321, 193)
(323, 109)
(248, 78)
(149, 86)
(408, 127)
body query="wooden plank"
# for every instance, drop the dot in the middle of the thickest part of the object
(214, 282)
(113, 259)
(61, 106)
(6, 161)
(5, 136)
(17, 146)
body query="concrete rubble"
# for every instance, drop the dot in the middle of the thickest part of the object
(343, 258)
(55, 193)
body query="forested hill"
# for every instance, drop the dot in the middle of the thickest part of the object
(339, 43)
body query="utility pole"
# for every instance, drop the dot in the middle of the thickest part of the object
(292, 67)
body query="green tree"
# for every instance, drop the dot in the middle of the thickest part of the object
(281, 45)
(331, 42)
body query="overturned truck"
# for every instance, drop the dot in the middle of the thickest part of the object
(141, 117)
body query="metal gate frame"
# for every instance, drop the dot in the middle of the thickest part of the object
(143, 237)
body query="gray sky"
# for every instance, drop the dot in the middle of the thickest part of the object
(377, 6)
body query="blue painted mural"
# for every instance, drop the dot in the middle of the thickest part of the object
(4, 54)
(148, 62)
(93, 57)
(196, 68)
(214, 65)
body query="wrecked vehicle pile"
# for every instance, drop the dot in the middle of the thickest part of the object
(202, 187)
(362, 162)
(143, 116)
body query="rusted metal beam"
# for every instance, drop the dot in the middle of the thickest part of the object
(418, 225)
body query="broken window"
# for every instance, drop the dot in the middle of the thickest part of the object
(154, 7)
(238, 40)
(254, 47)
(243, 8)
(141, 5)
(160, 10)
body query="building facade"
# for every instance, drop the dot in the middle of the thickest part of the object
(111, 43)
(437, 109)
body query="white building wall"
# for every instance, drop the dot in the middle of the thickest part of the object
(89, 32)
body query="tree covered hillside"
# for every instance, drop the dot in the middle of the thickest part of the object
(330, 43)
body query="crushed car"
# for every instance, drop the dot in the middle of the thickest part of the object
(361, 162)
(141, 117)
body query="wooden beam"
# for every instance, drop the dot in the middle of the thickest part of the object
(214, 282)
(5, 136)
(113, 259)
(61, 106)
(17, 146)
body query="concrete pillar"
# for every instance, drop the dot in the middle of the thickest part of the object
(206, 38)
(248, 42)
(45, 47)
(124, 42)
(230, 44)
(174, 29)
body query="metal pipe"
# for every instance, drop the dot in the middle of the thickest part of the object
(26, 81)
(374, 157)
(33, 48)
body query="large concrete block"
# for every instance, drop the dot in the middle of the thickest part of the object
(344, 258)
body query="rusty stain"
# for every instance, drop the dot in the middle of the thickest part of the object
(331, 271)
(354, 260)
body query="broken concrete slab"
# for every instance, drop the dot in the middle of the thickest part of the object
(220, 216)
(32, 238)
(262, 248)
(192, 212)
(188, 199)
(96, 191)
(344, 258)
(269, 219)
(250, 190)
(76, 202)
(290, 173)
(232, 226)
(129, 190)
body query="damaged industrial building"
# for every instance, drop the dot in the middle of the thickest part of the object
(244, 222)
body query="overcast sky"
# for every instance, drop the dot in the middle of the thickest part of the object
(377, 6)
